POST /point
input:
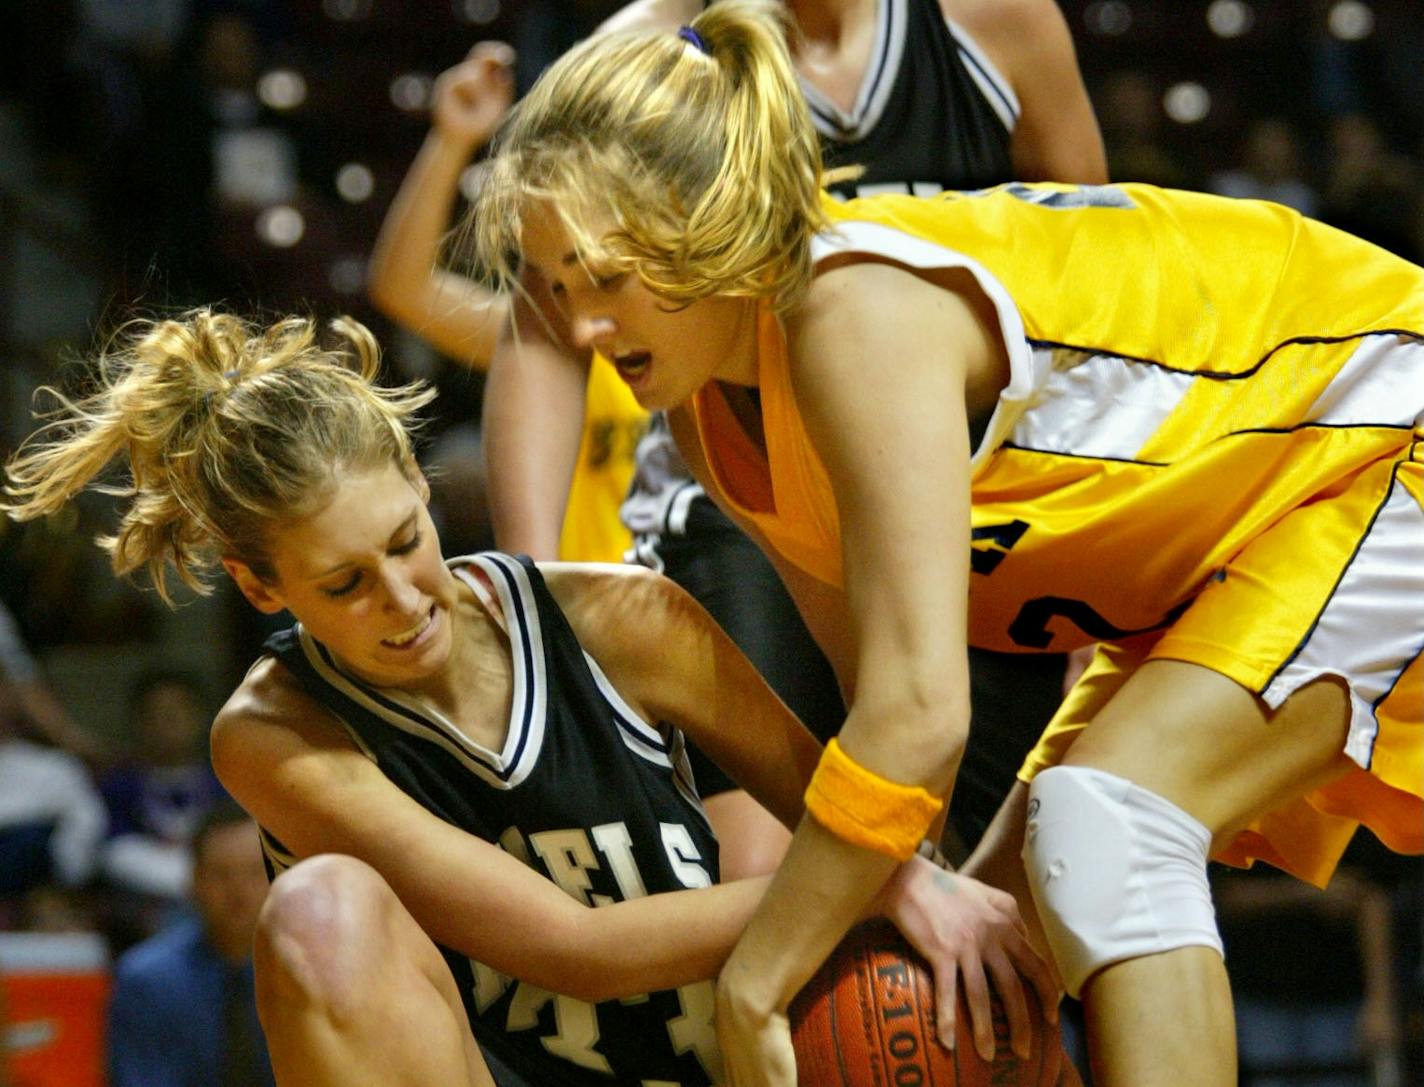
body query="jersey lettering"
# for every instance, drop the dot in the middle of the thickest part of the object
(576, 1025)
(683, 855)
(1030, 626)
(489, 985)
(1079, 196)
(983, 560)
(512, 842)
(568, 857)
(694, 1031)
(616, 845)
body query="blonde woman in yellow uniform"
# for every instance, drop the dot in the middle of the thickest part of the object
(464, 320)
(1033, 417)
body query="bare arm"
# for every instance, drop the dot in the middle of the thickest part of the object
(293, 768)
(537, 391)
(904, 559)
(1057, 137)
(697, 679)
(535, 400)
(897, 453)
(454, 313)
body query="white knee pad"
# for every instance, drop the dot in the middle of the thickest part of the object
(1117, 872)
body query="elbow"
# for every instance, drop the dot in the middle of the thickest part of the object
(926, 722)
(943, 711)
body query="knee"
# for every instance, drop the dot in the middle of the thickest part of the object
(320, 931)
(1117, 872)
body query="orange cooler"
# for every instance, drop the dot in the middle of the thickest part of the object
(56, 987)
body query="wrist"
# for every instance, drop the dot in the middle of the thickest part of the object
(866, 810)
(450, 144)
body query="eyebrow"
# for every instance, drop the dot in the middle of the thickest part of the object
(400, 528)
(567, 260)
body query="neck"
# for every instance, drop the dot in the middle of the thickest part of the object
(826, 22)
(742, 361)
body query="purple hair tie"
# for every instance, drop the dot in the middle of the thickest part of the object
(687, 34)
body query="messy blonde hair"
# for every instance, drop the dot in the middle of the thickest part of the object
(225, 427)
(706, 162)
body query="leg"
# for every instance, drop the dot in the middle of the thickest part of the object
(351, 990)
(1154, 1017)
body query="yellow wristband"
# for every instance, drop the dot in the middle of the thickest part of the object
(867, 810)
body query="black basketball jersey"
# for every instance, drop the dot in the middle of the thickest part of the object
(932, 112)
(584, 791)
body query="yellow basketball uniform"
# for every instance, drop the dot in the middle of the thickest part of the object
(613, 423)
(1210, 446)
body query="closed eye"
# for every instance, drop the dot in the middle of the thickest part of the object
(407, 547)
(345, 588)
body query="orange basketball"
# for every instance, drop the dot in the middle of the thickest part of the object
(866, 1019)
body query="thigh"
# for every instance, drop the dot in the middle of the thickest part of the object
(1216, 750)
(1305, 647)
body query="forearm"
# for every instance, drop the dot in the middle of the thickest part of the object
(823, 886)
(455, 314)
(640, 945)
(409, 242)
(533, 421)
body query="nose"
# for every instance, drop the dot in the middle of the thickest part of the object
(402, 593)
(589, 329)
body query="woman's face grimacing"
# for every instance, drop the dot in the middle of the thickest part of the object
(365, 576)
(664, 352)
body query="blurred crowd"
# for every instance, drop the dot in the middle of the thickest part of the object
(164, 153)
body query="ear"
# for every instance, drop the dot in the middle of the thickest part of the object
(259, 594)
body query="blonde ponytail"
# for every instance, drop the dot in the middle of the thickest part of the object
(224, 427)
(703, 156)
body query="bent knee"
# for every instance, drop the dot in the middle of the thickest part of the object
(320, 929)
(1116, 872)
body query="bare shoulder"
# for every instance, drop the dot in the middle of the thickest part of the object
(1010, 31)
(610, 605)
(651, 15)
(1002, 18)
(267, 717)
(853, 294)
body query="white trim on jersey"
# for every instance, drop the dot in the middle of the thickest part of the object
(1028, 369)
(524, 739)
(1385, 568)
(891, 19)
(638, 736)
(529, 707)
(675, 520)
(1095, 405)
(278, 857)
(992, 85)
(664, 747)
(407, 715)
(644, 552)
(1378, 386)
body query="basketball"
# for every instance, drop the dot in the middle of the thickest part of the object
(866, 1019)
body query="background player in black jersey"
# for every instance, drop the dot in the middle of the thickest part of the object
(926, 95)
(470, 760)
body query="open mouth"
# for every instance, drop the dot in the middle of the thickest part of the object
(415, 634)
(633, 365)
